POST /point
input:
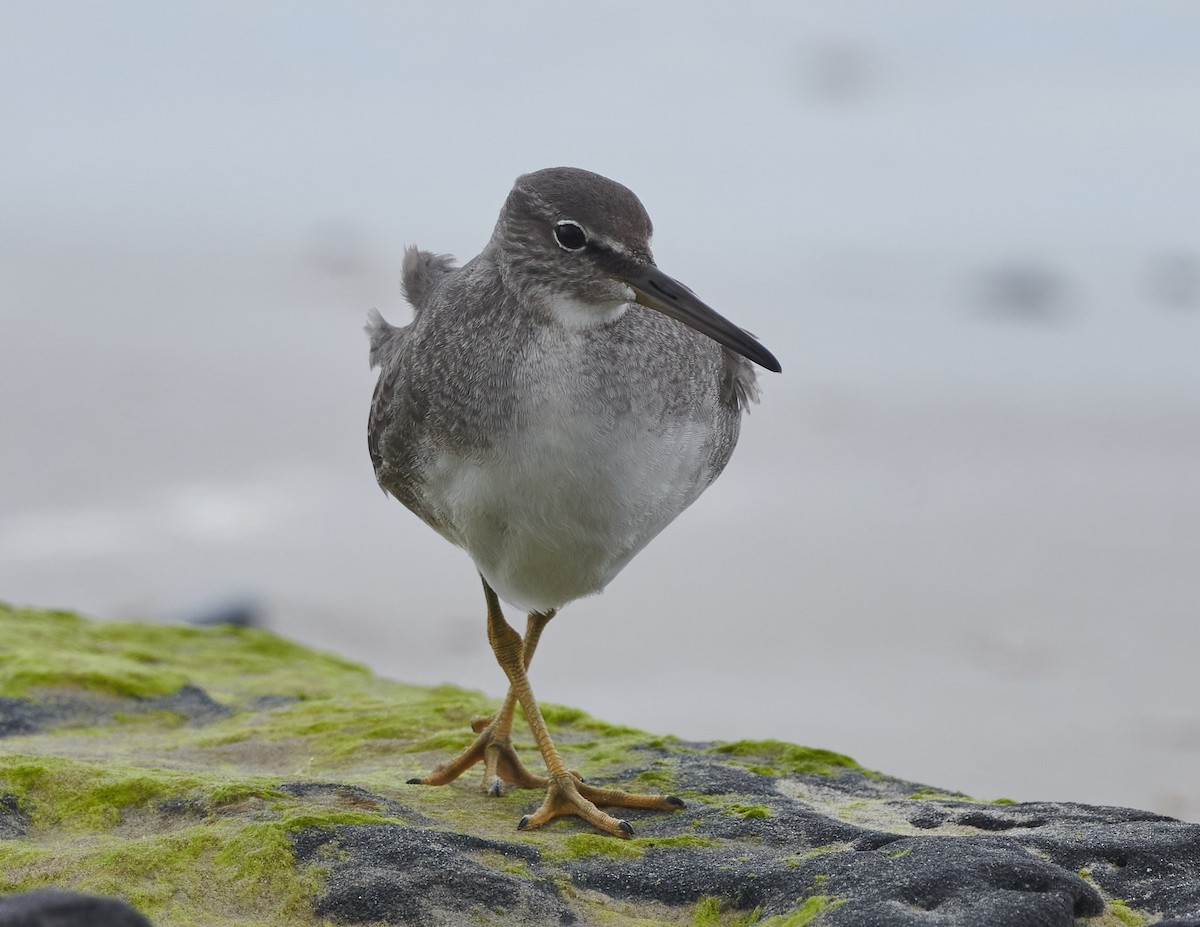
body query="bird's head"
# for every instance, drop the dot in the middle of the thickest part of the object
(580, 243)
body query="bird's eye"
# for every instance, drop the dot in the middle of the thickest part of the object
(570, 235)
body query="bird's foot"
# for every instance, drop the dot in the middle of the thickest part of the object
(566, 795)
(501, 765)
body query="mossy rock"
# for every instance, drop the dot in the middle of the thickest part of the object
(226, 776)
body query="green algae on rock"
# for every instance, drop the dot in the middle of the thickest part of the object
(228, 777)
(782, 759)
(709, 913)
(56, 649)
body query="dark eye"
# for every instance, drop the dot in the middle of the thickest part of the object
(569, 235)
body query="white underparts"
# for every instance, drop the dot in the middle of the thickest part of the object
(560, 506)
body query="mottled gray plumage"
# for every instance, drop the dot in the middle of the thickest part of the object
(535, 415)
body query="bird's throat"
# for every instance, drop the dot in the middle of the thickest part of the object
(577, 314)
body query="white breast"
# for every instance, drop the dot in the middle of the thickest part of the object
(554, 515)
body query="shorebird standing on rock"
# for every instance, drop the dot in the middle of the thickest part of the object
(554, 404)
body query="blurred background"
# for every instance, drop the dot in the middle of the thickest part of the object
(960, 539)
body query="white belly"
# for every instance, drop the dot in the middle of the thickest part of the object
(555, 510)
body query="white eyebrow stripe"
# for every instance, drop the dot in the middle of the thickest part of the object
(612, 245)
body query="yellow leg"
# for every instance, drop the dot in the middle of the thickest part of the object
(500, 761)
(493, 747)
(565, 794)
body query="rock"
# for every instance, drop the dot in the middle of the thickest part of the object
(406, 875)
(21, 716)
(50, 907)
(13, 821)
(225, 776)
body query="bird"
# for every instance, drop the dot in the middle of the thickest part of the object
(553, 405)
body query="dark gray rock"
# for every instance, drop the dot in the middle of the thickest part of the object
(354, 795)
(422, 878)
(238, 611)
(52, 907)
(1151, 862)
(196, 705)
(866, 847)
(19, 716)
(922, 881)
(14, 822)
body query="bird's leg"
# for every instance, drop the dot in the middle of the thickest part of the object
(493, 747)
(565, 794)
(500, 761)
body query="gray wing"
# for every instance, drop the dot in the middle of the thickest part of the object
(740, 388)
(388, 423)
(387, 347)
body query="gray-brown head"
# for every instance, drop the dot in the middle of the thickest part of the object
(583, 241)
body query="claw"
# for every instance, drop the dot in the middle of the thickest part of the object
(501, 764)
(566, 796)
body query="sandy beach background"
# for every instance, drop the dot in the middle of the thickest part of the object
(960, 538)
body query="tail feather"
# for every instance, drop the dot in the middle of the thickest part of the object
(419, 275)
(420, 272)
(380, 332)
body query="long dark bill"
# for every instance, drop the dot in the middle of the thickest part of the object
(656, 290)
